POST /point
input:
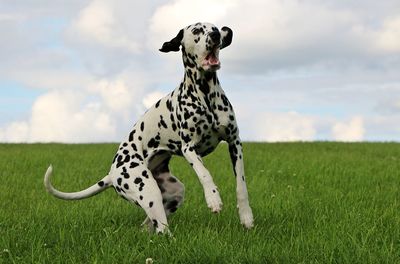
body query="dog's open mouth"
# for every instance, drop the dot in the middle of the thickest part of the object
(212, 60)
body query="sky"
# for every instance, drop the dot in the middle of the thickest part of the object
(297, 70)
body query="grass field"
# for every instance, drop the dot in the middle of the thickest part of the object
(312, 202)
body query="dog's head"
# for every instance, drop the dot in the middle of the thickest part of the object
(201, 44)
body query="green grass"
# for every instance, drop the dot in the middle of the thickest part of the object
(312, 202)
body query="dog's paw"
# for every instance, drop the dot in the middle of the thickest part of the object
(163, 230)
(214, 201)
(246, 217)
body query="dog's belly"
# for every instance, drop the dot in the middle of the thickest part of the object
(205, 146)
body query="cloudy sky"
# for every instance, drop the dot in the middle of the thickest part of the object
(84, 70)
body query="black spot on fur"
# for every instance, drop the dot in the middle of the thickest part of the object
(162, 122)
(171, 146)
(169, 106)
(155, 223)
(101, 183)
(137, 156)
(233, 151)
(151, 204)
(134, 146)
(186, 115)
(158, 103)
(186, 138)
(133, 165)
(127, 159)
(115, 158)
(137, 180)
(141, 185)
(171, 179)
(153, 143)
(131, 136)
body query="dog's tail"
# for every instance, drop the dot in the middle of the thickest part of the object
(92, 190)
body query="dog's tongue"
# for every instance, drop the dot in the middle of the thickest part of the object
(212, 59)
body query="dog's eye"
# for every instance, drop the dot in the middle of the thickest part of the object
(196, 31)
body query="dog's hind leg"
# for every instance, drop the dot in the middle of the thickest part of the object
(148, 196)
(172, 190)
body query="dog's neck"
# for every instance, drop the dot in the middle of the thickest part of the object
(203, 82)
(200, 81)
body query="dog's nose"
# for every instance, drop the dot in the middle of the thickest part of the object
(215, 36)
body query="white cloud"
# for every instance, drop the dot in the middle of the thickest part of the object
(152, 98)
(98, 22)
(15, 132)
(116, 94)
(353, 130)
(64, 116)
(290, 126)
(101, 109)
(389, 36)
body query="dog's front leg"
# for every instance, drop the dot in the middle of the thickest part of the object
(210, 189)
(245, 213)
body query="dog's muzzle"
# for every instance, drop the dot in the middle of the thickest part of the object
(211, 61)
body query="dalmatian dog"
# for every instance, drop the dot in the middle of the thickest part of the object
(190, 121)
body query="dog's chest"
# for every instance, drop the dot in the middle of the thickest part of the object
(205, 120)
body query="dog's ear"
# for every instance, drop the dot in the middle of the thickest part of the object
(226, 36)
(173, 44)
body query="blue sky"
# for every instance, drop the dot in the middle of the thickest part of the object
(84, 71)
(16, 101)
